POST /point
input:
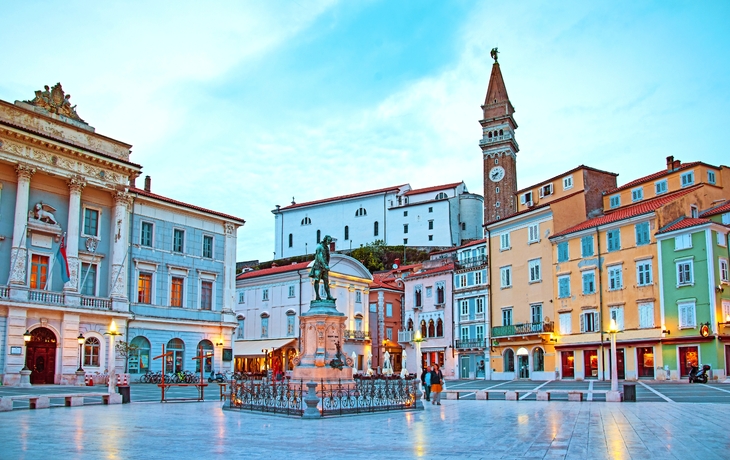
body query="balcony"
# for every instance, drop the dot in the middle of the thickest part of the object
(471, 262)
(471, 343)
(96, 303)
(522, 329)
(4, 292)
(359, 336)
(46, 297)
(405, 336)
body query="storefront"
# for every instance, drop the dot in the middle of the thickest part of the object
(258, 357)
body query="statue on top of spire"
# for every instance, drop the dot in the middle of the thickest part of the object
(494, 53)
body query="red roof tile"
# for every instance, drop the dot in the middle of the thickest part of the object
(155, 196)
(345, 197)
(273, 270)
(433, 189)
(682, 223)
(652, 177)
(432, 271)
(719, 209)
(637, 209)
(386, 280)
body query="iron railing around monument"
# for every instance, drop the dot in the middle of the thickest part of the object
(358, 396)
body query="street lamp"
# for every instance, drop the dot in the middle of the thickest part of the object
(81, 339)
(613, 395)
(112, 333)
(25, 372)
(26, 339)
(417, 339)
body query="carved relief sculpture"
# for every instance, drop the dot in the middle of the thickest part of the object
(55, 101)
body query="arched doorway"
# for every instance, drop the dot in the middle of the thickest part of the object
(523, 362)
(139, 357)
(41, 356)
(174, 361)
(208, 350)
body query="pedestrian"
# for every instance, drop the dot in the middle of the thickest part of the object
(426, 381)
(437, 381)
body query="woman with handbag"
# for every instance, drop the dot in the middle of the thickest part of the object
(437, 380)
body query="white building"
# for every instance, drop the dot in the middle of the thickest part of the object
(271, 301)
(442, 216)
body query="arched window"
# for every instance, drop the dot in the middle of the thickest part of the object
(92, 348)
(431, 328)
(319, 236)
(423, 328)
(361, 212)
(240, 332)
(538, 360)
(375, 228)
(441, 196)
(489, 134)
(410, 324)
(174, 362)
(439, 328)
(291, 240)
(418, 297)
(501, 132)
(306, 221)
(139, 356)
(358, 322)
(509, 360)
(440, 295)
(347, 232)
(207, 347)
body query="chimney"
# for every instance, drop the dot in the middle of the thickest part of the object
(132, 181)
(274, 264)
(677, 164)
(670, 162)
(147, 183)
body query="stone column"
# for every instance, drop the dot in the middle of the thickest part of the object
(75, 185)
(229, 264)
(119, 250)
(18, 253)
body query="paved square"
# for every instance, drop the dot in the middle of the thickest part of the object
(457, 429)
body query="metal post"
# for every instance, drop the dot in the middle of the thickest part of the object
(614, 395)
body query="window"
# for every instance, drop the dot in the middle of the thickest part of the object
(497, 204)
(586, 246)
(660, 187)
(614, 201)
(144, 288)
(441, 196)
(477, 277)
(139, 356)
(533, 233)
(291, 240)
(405, 228)
(589, 282)
(617, 314)
(174, 361)
(462, 281)
(405, 213)
(694, 211)
(505, 276)
(685, 275)
(92, 347)
(526, 199)
(710, 177)
(534, 266)
(389, 333)
(688, 178)
(431, 329)
(464, 333)
(358, 324)
(428, 291)
(206, 295)
(504, 242)
(682, 242)
(536, 313)
(637, 194)
(538, 360)
(146, 235)
(480, 306)
(178, 240)
(290, 319)
(563, 255)
(417, 297)
(546, 190)
(724, 275)
(91, 222)
(375, 228)
(643, 272)
(176, 291)
(405, 241)
(563, 286)
(265, 295)
(613, 239)
(567, 182)
(424, 331)
(264, 325)
(464, 306)
(440, 295)
(509, 360)
(319, 236)
(373, 308)
(646, 315)
(389, 310)
(291, 291)
(88, 279)
(242, 297)
(306, 221)
(479, 332)
(208, 246)
(430, 237)
(430, 209)
(361, 212)
(642, 234)
(347, 232)
(565, 328)
(506, 317)
(615, 278)
(430, 225)
(589, 321)
(721, 239)
(687, 314)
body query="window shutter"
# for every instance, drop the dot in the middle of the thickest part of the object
(582, 323)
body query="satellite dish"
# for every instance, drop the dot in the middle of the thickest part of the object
(395, 266)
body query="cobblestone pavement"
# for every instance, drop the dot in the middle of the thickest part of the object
(456, 429)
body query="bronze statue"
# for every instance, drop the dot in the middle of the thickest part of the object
(321, 267)
(494, 53)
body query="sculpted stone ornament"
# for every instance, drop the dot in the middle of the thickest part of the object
(55, 101)
(44, 213)
(494, 53)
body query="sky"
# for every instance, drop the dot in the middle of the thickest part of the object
(240, 106)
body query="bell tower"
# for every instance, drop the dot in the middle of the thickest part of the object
(499, 149)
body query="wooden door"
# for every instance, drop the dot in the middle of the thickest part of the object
(568, 368)
(41, 356)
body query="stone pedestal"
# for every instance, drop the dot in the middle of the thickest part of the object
(25, 378)
(614, 396)
(323, 327)
(80, 376)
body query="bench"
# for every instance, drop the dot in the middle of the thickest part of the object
(514, 395)
(166, 386)
(70, 400)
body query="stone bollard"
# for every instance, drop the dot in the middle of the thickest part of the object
(311, 400)
(511, 396)
(543, 396)
(80, 378)
(575, 396)
(482, 395)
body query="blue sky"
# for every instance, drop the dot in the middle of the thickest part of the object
(240, 106)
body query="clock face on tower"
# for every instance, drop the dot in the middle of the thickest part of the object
(496, 174)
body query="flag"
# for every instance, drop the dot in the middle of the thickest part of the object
(63, 260)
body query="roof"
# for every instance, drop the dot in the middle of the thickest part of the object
(496, 91)
(386, 280)
(637, 209)
(534, 208)
(433, 189)
(578, 168)
(718, 209)
(682, 223)
(155, 196)
(273, 270)
(394, 188)
(433, 271)
(652, 177)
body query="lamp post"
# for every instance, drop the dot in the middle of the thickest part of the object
(80, 371)
(25, 372)
(614, 395)
(112, 333)
(417, 339)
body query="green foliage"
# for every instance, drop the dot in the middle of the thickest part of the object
(377, 256)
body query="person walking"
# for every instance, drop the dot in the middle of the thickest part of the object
(437, 381)
(426, 381)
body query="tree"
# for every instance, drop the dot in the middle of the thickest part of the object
(124, 349)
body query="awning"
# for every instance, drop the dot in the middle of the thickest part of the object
(432, 349)
(254, 347)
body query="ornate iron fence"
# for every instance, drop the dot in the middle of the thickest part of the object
(268, 396)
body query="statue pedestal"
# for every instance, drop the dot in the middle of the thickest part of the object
(25, 378)
(323, 328)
